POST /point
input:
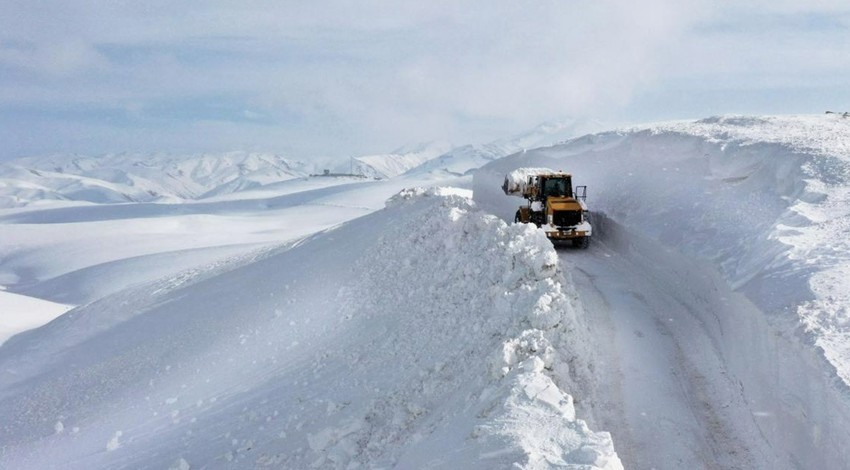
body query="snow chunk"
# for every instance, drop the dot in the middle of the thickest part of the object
(180, 464)
(537, 424)
(114, 443)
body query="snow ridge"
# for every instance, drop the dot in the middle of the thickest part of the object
(468, 293)
(449, 340)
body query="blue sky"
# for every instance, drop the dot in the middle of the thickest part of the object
(337, 78)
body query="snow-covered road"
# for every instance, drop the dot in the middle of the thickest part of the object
(682, 363)
(657, 392)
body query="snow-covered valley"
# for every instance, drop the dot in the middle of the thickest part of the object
(297, 322)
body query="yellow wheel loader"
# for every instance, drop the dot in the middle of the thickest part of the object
(552, 204)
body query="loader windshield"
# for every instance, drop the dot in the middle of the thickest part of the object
(556, 187)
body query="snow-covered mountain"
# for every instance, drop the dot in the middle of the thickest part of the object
(458, 161)
(126, 177)
(398, 161)
(441, 159)
(139, 177)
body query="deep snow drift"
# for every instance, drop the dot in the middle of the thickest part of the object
(425, 334)
(763, 202)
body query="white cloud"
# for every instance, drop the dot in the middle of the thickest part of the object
(61, 58)
(341, 77)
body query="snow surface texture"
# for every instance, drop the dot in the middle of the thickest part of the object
(428, 334)
(764, 203)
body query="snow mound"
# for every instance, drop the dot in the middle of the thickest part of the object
(497, 295)
(427, 334)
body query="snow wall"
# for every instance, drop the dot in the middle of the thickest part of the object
(428, 334)
(762, 203)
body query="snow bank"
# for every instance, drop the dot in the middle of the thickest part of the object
(425, 334)
(478, 306)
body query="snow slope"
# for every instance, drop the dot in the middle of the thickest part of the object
(760, 202)
(19, 313)
(427, 334)
(77, 254)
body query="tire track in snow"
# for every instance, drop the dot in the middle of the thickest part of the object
(664, 392)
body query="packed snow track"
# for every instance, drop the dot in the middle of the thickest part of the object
(680, 389)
